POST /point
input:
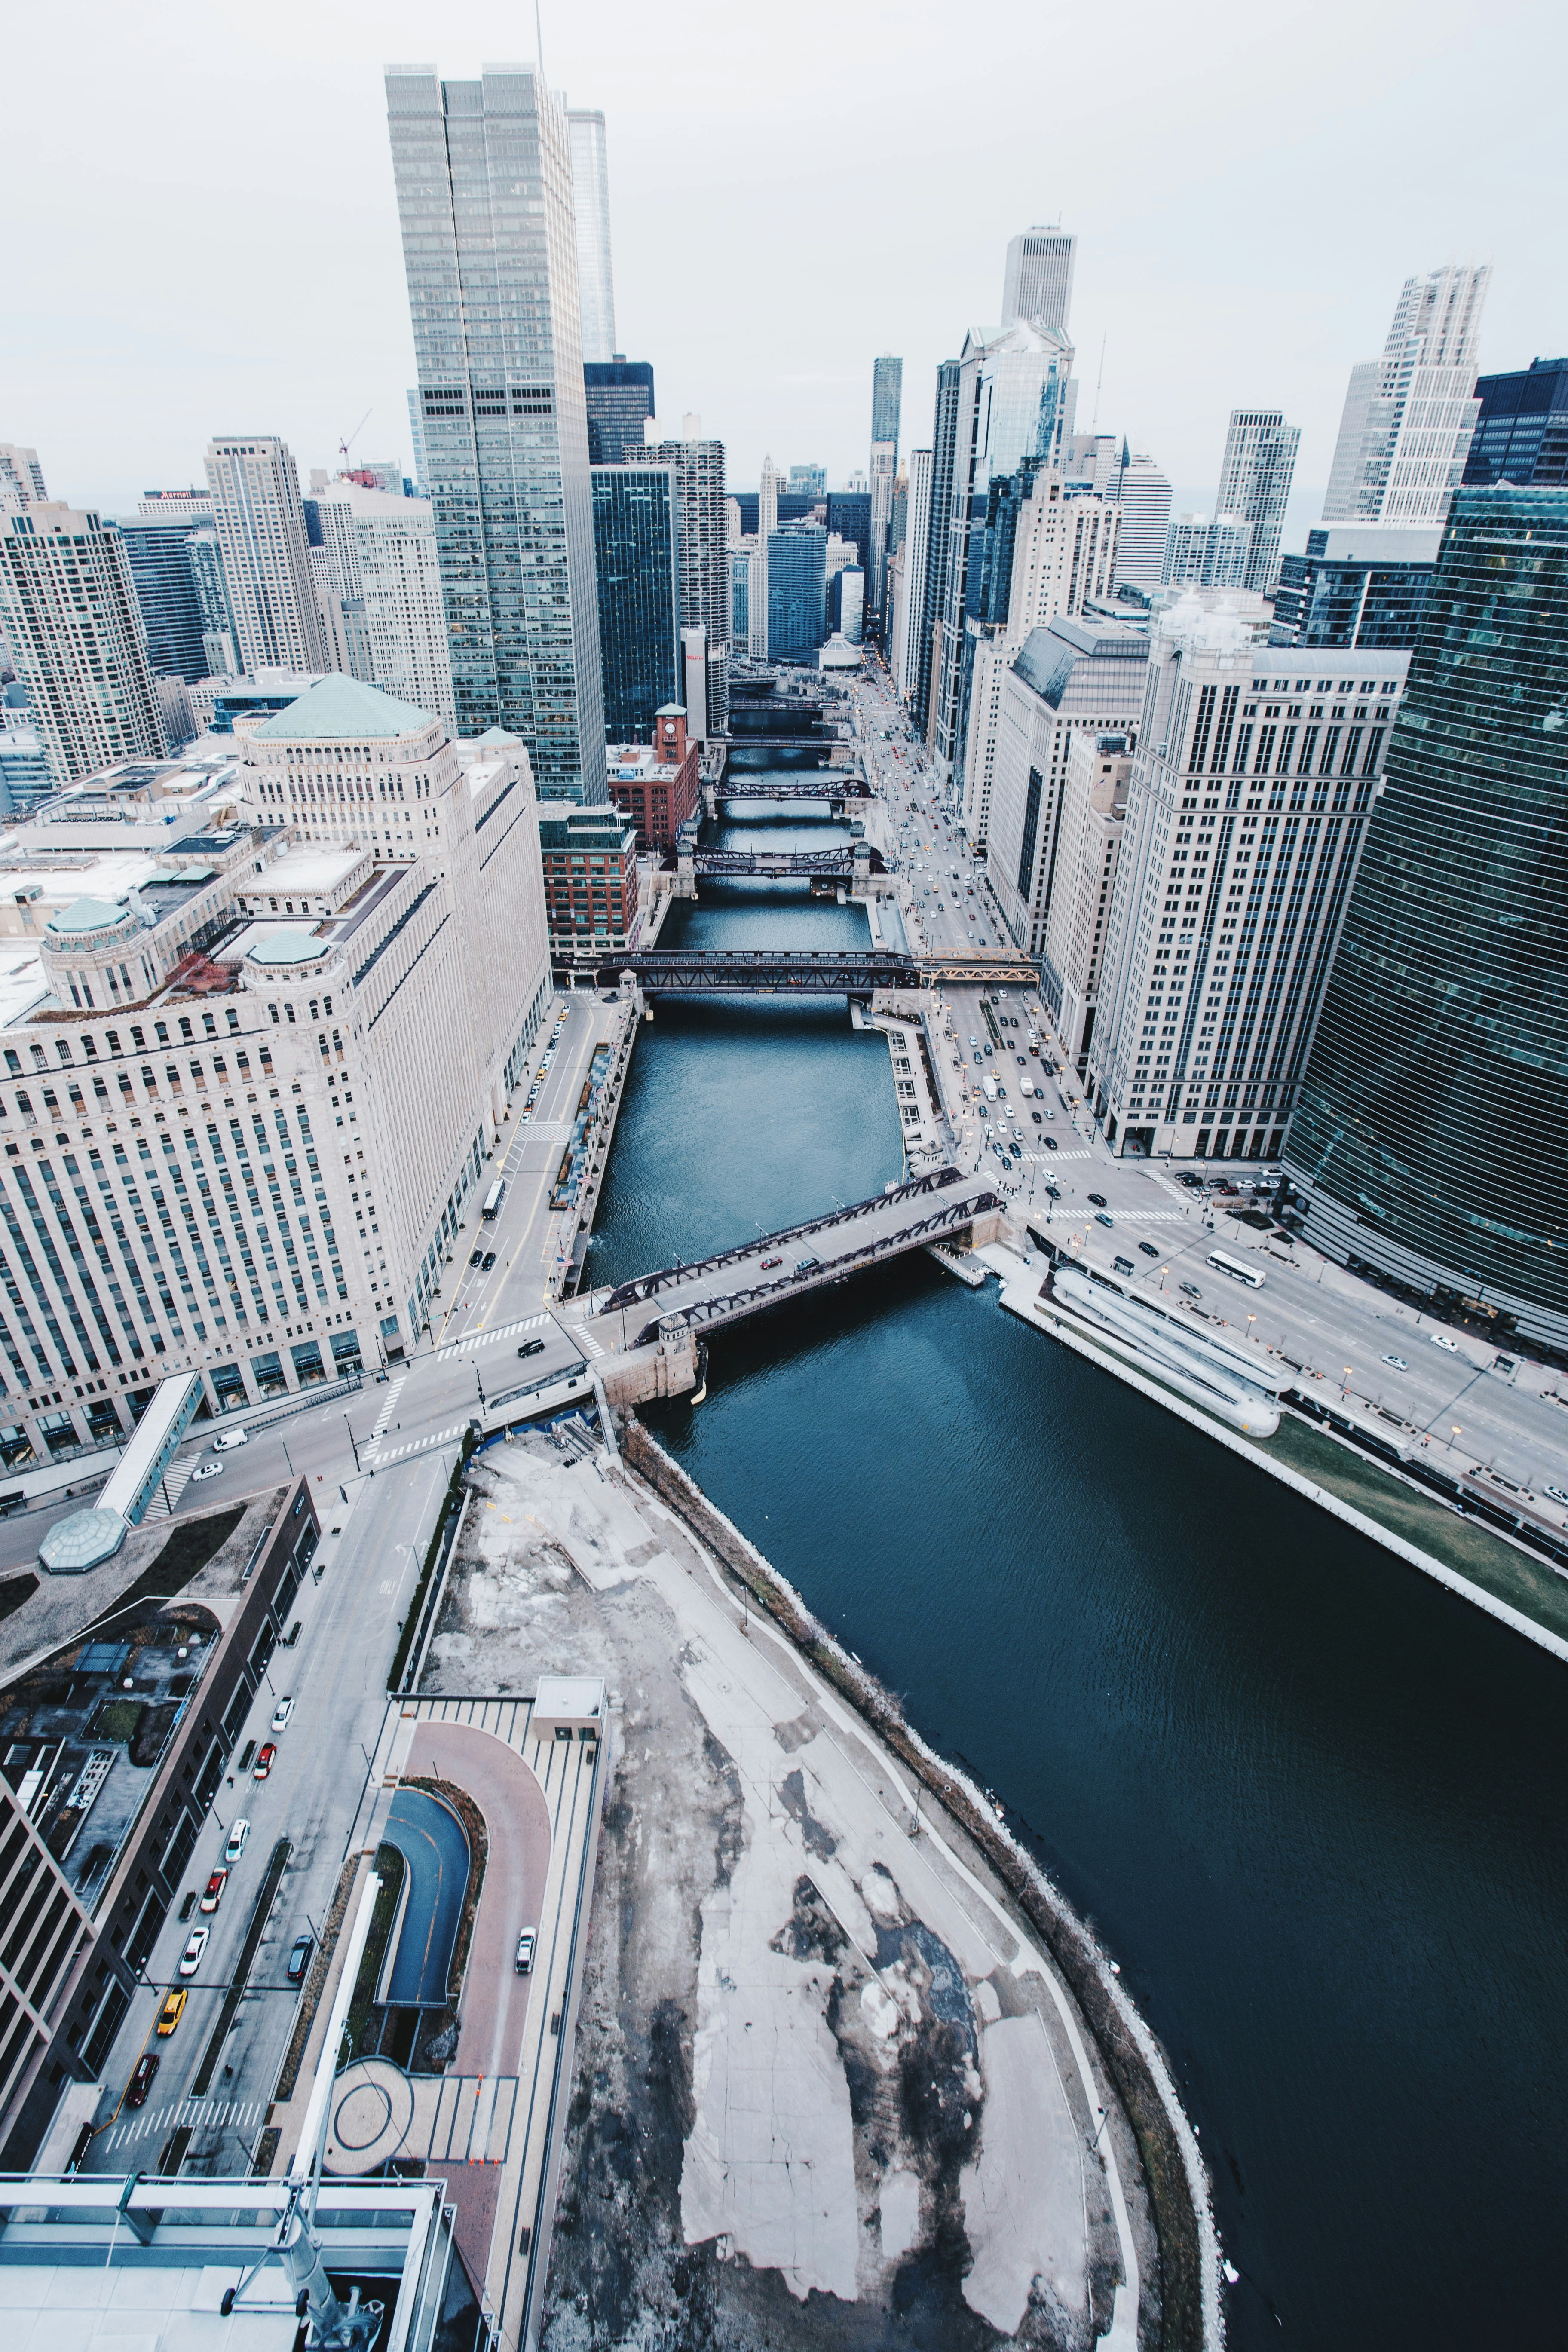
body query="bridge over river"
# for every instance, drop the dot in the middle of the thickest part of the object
(841, 863)
(746, 972)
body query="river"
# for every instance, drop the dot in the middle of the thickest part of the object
(1313, 1803)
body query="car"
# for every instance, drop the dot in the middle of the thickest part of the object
(141, 2082)
(1444, 1339)
(1097, 1199)
(298, 1959)
(1050, 1141)
(173, 2009)
(207, 1470)
(231, 1437)
(213, 1893)
(1019, 1059)
(803, 1264)
(195, 1945)
(488, 1260)
(1036, 1116)
(524, 1960)
(1148, 1249)
(978, 1057)
(1556, 1494)
(1395, 1363)
(237, 1833)
(531, 1348)
(265, 1761)
(769, 1264)
(476, 1258)
(1189, 1290)
(280, 1714)
(1101, 1218)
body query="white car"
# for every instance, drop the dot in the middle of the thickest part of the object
(1555, 1493)
(1442, 1339)
(195, 1945)
(207, 1470)
(1395, 1363)
(280, 1714)
(231, 1437)
(237, 1833)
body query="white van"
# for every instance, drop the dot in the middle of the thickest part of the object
(990, 1087)
(231, 1437)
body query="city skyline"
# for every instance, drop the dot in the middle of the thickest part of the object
(1278, 325)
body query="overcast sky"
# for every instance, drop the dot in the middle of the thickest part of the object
(201, 234)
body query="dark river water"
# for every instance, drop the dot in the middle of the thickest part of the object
(1313, 1804)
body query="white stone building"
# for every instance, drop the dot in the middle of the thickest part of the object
(259, 519)
(1409, 415)
(382, 559)
(917, 556)
(1078, 920)
(1251, 789)
(246, 1083)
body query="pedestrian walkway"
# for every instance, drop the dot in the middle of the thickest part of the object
(392, 1394)
(170, 1487)
(383, 1455)
(474, 1340)
(189, 2115)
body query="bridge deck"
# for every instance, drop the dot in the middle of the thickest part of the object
(745, 971)
(739, 1282)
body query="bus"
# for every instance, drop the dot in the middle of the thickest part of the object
(493, 1199)
(1238, 1269)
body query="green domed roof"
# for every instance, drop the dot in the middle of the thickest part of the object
(287, 948)
(87, 915)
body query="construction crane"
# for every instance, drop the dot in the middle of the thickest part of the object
(344, 446)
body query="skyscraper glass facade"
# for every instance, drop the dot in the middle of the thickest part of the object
(887, 395)
(483, 171)
(1431, 1135)
(635, 556)
(1521, 434)
(166, 592)
(619, 395)
(1356, 585)
(798, 563)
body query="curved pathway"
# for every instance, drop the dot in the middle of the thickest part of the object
(434, 1851)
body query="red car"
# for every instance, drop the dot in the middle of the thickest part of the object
(141, 2082)
(216, 1885)
(265, 1761)
(769, 1264)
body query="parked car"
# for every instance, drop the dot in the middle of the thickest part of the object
(531, 1348)
(524, 1961)
(214, 1892)
(280, 1714)
(231, 1437)
(206, 1470)
(265, 1761)
(298, 1959)
(488, 1260)
(1556, 1494)
(476, 1258)
(173, 2009)
(141, 2082)
(195, 1945)
(237, 1833)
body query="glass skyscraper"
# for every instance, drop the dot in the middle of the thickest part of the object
(166, 591)
(619, 394)
(483, 171)
(1521, 434)
(1430, 1139)
(634, 556)
(1359, 585)
(887, 394)
(797, 566)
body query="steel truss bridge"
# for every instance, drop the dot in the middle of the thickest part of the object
(746, 972)
(725, 1289)
(823, 784)
(836, 865)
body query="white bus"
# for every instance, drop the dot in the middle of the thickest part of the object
(493, 1199)
(1238, 1269)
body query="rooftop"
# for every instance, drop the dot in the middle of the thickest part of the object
(290, 947)
(340, 709)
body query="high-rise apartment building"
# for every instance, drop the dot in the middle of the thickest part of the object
(1447, 1014)
(382, 565)
(767, 525)
(697, 470)
(195, 507)
(1204, 554)
(917, 556)
(1255, 478)
(808, 482)
(634, 554)
(1036, 286)
(1253, 786)
(1409, 417)
(1013, 406)
(926, 622)
(619, 396)
(69, 611)
(743, 555)
(1358, 584)
(259, 519)
(1521, 432)
(884, 464)
(220, 644)
(796, 577)
(887, 400)
(159, 557)
(492, 287)
(21, 477)
(590, 212)
(1095, 779)
(1143, 494)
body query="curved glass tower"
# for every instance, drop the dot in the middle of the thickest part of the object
(1432, 1133)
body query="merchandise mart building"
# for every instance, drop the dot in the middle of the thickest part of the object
(1430, 1143)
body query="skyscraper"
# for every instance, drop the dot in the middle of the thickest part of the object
(220, 647)
(807, 481)
(767, 524)
(493, 295)
(917, 555)
(884, 464)
(384, 563)
(591, 210)
(1359, 583)
(260, 523)
(417, 435)
(619, 395)
(635, 558)
(1204, 554)
(1255, 480)
(1409, 415)
(159, 557)
(1521, 434)
(797, 571)
(1036, 288)
(925, 626)
(21, 477)
(69, 611)
(887, 398)
(1445, 1017)
(1143, 494)
(697, 470)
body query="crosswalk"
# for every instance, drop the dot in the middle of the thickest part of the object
(475, 1339)
(386, 1454)
(550, 1131)
(193, 2114)
(170, 1485)
(392, 1394)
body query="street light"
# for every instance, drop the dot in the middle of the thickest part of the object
(349, 1426)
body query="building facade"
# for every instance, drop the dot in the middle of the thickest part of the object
(1095, 779)
(656, 785)
(590, 890)
(1255, 478)
(697, 470)
(1252, 788)
(1357, 585)
(259, 519)
(634, 535)
(1446, 1015)
(926, 648)
(21, 477)
(591, 215)
(69, 611)
(484, 183)
(1143, 494)
(220, 642)
(808, 482)
(1204, 554)
(916, 557)
(796, 580)
(384, 568)
(1409, 417)
(1522, 431)
(1036, 285)
(887, 400)
(159, 557)
(619, 396)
